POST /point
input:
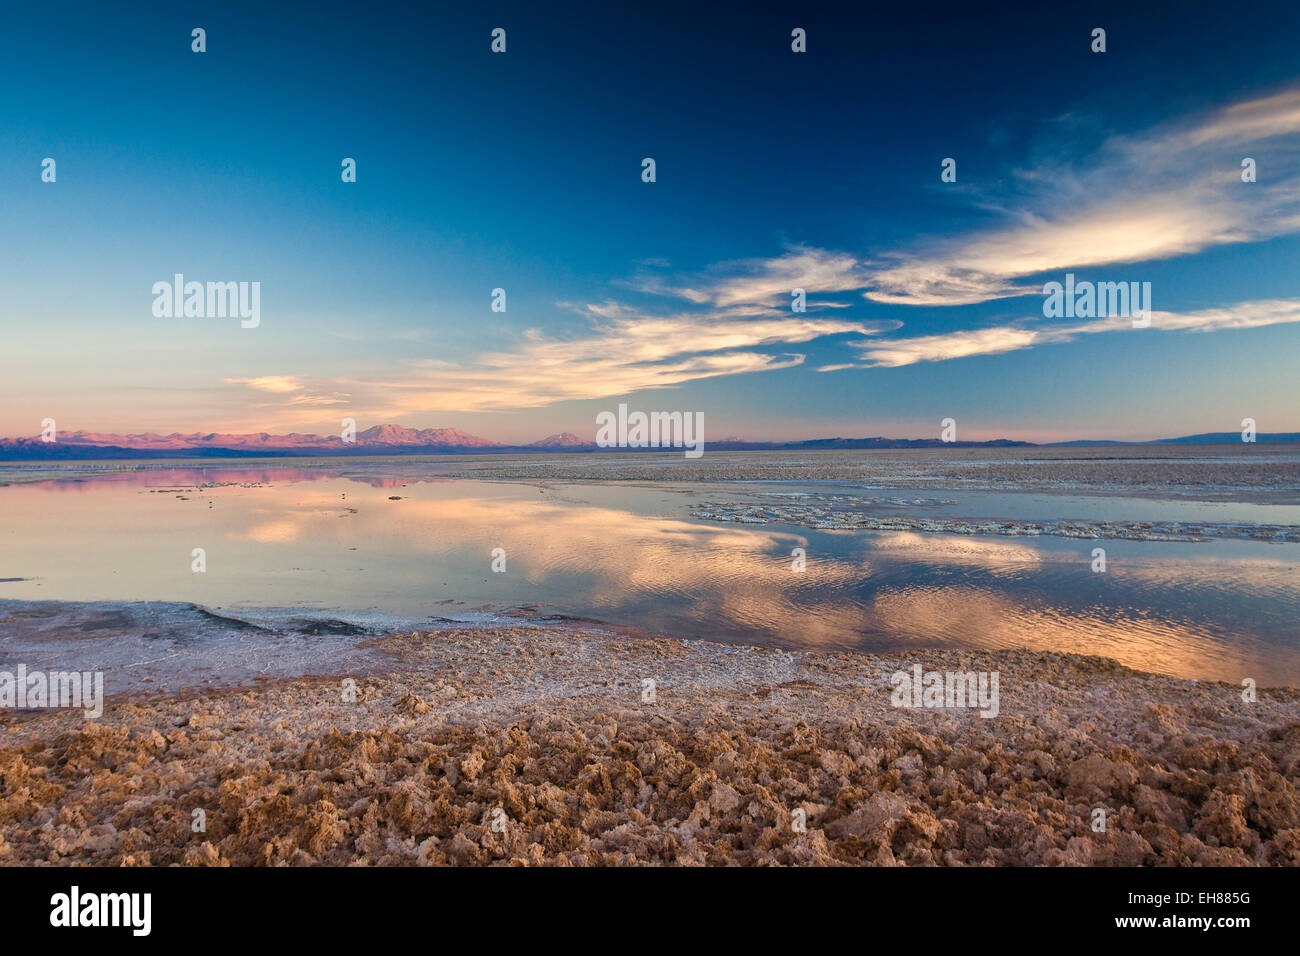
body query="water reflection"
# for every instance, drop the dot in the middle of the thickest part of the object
(276, 537)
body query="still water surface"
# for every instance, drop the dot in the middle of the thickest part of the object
(633, 555)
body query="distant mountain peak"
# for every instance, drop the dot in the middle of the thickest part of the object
(561, 440)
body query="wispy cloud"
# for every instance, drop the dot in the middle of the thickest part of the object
(937, 348)
(626, 351)
(1010, 338)
(300, 395)
(767, 281)
(1165, 193)
(270, 383)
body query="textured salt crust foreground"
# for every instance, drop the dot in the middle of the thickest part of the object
(549, 727)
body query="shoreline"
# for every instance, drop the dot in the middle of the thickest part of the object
(517, 745)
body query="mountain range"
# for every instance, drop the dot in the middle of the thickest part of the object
(398, 440)
(380, 439)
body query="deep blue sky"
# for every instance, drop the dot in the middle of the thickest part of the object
(522, 171)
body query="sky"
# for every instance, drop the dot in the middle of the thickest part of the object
(774, 170)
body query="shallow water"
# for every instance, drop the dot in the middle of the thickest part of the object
(337, 549)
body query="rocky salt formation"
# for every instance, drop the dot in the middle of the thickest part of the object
(526, 746)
